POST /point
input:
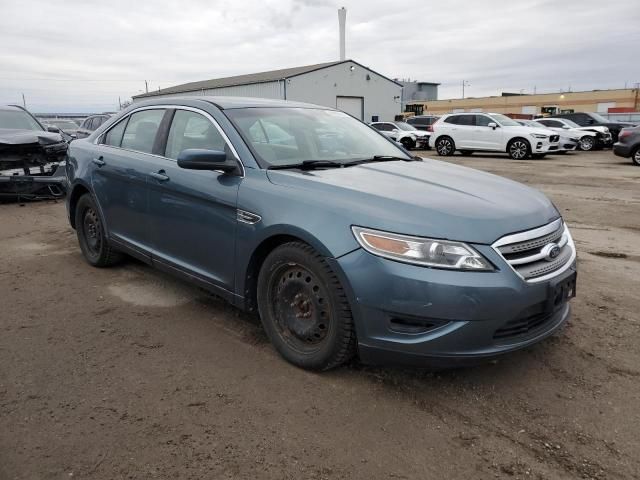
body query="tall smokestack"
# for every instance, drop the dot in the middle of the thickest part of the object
(342, 18)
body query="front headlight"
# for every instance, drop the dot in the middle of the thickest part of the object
(539, 135)
(421, 251)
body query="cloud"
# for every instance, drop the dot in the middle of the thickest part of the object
(83, 55)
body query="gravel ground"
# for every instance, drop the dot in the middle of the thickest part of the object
(126, 373)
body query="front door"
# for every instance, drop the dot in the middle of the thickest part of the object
(120, 174)
(486, 137)
(192, 213)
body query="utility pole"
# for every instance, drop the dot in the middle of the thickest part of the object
(119, 104)
(464, 84)
(146, 86)
(24, 102)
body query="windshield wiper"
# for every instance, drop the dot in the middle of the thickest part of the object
(309, 165)
(385, 158)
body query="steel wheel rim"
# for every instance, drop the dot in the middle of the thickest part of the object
(92, 230)
(300, 307)
(586, 143)
(444, 147)
(518, 150)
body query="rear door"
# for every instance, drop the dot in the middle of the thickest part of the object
(192, 213)
(123, 159)
(461, 128)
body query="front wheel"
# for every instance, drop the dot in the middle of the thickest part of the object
(587, 143)
(445, 147)
(407, 143)
(304, 309)
(519, 149)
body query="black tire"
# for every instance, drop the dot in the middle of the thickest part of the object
(587, 143)
(408, 143)
(519, 149)
(91, 234)
(445, 146)
(304, 309)
(466, 152)
(635, 156)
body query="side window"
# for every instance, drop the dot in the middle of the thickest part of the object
(384, 127)
(466, 120)
(452, 119)
(483, 121)
(192, 130)
(140, 132)
(114, 136)
(554, 123)
(86, 123)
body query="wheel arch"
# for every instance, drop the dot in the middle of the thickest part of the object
(511, 140)
(78, 190)
(270, 241)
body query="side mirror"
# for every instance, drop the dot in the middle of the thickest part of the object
(53, 129)
(200, 159)
(493, 125)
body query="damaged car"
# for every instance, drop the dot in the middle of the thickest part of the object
(32, 158)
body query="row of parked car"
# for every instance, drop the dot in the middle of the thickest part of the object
(520, 139)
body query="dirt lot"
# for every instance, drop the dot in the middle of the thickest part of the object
(126, 373)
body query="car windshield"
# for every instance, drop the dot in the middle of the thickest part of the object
(18, 120)
(599, 118)
(504, 120)
(405, 126)
(286, 136)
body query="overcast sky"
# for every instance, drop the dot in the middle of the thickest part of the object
(77, 55)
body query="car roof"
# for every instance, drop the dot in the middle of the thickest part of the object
(226, 103)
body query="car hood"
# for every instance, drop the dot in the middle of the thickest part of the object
(9, 136)
(429, 198)
(593, 129)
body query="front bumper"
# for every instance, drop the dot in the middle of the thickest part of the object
(422, 142)
(543, 146)
(50, 184)
(406, 314)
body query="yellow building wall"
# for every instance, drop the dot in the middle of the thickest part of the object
(577, 101)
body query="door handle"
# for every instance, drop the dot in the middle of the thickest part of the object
(99, 161)
(160, 176)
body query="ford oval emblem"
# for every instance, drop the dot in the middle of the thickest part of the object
(551, 251)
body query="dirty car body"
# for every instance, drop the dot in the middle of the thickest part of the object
(436, 263)
(32, 160)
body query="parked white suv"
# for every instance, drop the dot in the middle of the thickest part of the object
(490, 132)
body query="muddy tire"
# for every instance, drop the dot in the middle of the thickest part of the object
(445, 146)
(519, 149)
(304, 309)
(91, 234)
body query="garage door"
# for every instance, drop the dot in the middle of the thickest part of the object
(351, 105)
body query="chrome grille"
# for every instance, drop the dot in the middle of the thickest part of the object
(554, 138)
(538, 254)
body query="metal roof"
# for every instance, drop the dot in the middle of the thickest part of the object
(260, 77)
(224, 103)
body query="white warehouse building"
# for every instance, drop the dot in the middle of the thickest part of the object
(346, 85)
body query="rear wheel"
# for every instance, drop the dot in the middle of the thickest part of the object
(635, 156)
(445, 146)
(304, 309)
(587, 143)
(519, 149)
(91, 234)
